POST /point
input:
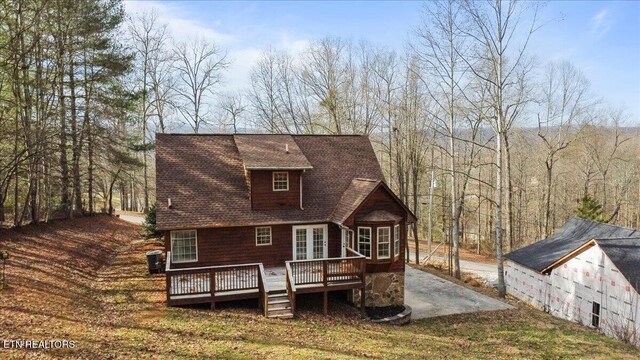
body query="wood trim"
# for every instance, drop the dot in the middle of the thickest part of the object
(270, 235)
(568, 256)
(273, 180)
(396, 226)
(171, 246)
(389, 242)
(370, 240)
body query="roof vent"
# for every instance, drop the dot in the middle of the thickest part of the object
(169, 203)
(286, 148)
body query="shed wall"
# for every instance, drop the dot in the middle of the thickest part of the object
(570, 290)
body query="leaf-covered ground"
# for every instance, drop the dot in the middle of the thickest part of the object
(85, 280)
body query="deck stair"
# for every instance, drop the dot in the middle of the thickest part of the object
(278, 305)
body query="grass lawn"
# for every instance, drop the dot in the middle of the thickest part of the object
(85, 280)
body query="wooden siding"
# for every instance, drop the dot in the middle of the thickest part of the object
(380, 199)
(264, 198)
(237, 245)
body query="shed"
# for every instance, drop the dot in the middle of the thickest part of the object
(586, 272)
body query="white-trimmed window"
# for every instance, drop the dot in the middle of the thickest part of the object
(384, 242)
(263, 235)
(280, 181)
(184, 246)
(364, 241)
(396, 240)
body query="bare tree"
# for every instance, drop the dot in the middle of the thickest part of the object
(326, 72)
(565, 105)
(233, 106)
(277, 95)
(198, 66)
(441, 47)
(503, 65)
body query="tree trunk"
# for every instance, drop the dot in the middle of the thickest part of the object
(76, 144)
(498, 205)
(509, 192)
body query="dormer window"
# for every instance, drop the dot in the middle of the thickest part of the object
(280, 181)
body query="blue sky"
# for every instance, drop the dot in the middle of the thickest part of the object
(602, 38)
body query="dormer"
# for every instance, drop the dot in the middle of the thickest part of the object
(274, 167)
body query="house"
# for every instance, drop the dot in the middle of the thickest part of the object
(586, 272)
(271, 217)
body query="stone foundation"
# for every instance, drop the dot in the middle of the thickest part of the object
(382, 289)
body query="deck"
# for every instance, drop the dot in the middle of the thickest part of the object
(254, 281)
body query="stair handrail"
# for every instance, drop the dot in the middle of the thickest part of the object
(263, 288)
(291, 287)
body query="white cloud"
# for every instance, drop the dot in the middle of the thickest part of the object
(179, 23)
(601, 23)
(244, 45)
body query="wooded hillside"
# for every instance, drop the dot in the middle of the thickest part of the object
(488, 145)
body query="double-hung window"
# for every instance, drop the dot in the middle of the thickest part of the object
(396, 240)
(263, 235)
(280, 181)
(384, 242)
(184, 246)
(364, 241)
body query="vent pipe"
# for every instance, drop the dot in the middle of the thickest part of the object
(169, 203)
(286, 148)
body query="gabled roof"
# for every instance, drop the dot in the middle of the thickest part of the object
(625, 255)
(203, 175)
(270, 152)
(355, 194)
(571, 236)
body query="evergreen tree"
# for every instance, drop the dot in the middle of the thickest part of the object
(149, 229)
(589, 208)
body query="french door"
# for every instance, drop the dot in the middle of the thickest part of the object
(310, 242)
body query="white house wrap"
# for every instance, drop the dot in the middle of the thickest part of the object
(586, 272)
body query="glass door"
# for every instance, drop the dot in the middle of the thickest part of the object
(309, 242)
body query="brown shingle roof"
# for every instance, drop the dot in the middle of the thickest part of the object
(269, 152)
(352, 197)
(204, 178)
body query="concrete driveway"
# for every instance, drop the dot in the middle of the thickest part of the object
(431, 296)
(488, 272)
(134, 219)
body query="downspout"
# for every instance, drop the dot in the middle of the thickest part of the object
(301, 208)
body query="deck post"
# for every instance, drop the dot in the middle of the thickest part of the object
(362, 300)
(363, 277)
(168, 280)
(324, 281)
(326, 302)
(212, 288)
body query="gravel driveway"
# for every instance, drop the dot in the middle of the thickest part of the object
(431, 296)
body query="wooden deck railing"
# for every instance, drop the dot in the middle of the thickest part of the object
(291, 287)
(323, 271)
(323, 275)
(263, 290)
(215, 281)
